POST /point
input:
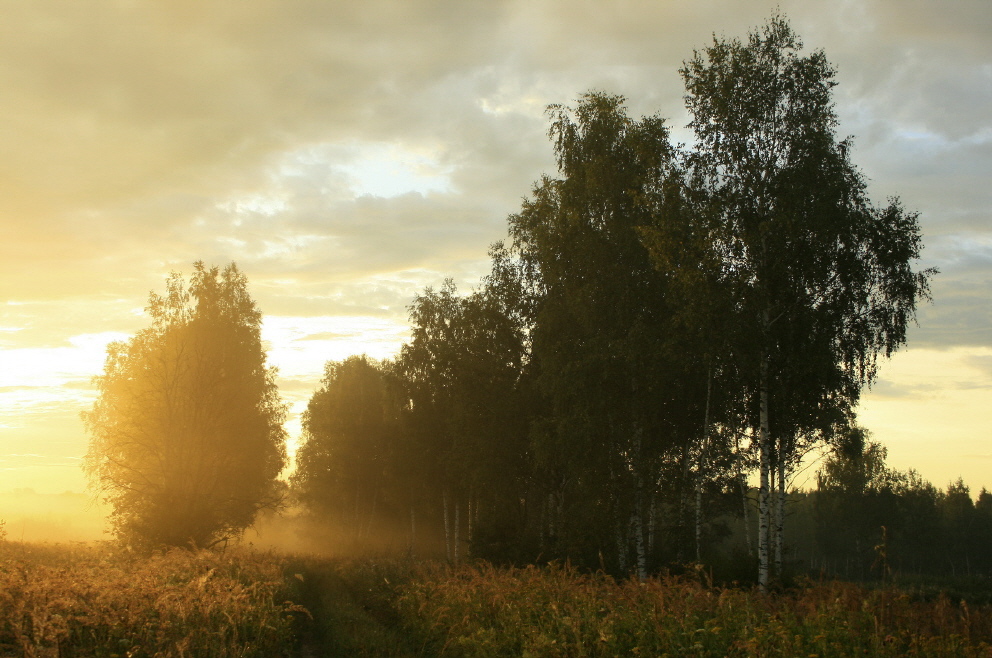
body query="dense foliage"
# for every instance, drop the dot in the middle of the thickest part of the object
(186, 436)
(662, 320)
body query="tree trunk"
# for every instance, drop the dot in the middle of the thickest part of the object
(642, 564)
(765, 450)
(652, 520)
(780, 513)
(471, 512)
(701, 470)
(621, 540)
(457, 517)
(745, 500)
(358, 515)
(375, 501)
(413, 530)
(681, 537)
(746, 503)
(544, 520)
(447, 529)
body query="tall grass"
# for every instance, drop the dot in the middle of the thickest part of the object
(91, 601)
(482, 611)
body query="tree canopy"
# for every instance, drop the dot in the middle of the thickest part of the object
(823, 277)
(186, 435)
(660, 315)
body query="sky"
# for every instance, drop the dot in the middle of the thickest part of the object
(347, 154)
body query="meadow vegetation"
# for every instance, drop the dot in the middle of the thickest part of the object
(97, 601)
(557, 611)
(93, 600)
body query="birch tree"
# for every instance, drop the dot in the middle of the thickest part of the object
(186, 435)
(824, 278)
(603, 345)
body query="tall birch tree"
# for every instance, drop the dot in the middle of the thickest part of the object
(824, 278)
(603, 343)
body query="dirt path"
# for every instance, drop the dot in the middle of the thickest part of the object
(352, 612)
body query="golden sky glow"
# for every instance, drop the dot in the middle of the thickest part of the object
(347, 154)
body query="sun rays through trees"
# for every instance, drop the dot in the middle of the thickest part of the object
(662, 319)
(186, 436)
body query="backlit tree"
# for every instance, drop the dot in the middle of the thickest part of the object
(186, 436)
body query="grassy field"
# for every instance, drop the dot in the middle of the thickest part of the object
(93, 601)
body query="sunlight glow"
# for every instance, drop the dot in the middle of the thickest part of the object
(936, 388)
(56, 366)
(301, 345)
(389, 170)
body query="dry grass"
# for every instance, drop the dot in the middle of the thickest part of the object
(91, 601)
(482, 611)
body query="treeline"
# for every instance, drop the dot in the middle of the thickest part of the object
(371, 468)
(663, 321)
(867, 521)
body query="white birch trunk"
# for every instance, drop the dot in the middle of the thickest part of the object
(765, 449)
(701, 470)
(457, 516)
(683, 521)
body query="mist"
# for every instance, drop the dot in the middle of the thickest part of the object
(39, 517)
(296, 531)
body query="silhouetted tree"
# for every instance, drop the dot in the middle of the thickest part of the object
(625, 400)
(186, 436)
(462, 367)
(855, 498)
(349, 466)
(823, 277)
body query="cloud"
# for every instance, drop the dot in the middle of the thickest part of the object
(143, 136)
(347, 154)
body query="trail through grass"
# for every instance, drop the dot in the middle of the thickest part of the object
(372, 608)
(94, 601)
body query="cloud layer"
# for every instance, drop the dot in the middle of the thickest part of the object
(347, 154)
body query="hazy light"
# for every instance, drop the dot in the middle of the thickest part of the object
(56, 366)
(928, 419)
(301, 345)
